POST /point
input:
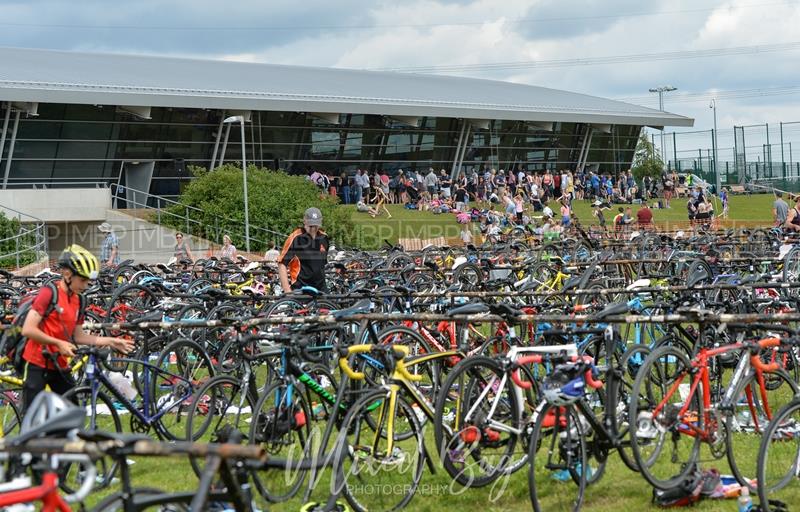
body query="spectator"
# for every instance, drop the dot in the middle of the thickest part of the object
(780, 210)
(402, 195)
(444, 184)
(272, 254)
(380, 199)
(519, 208)
(691, 209)
(644, 217)
(793, 217)
(461, 198)
(723, 196)
(109, 249)
(365, 185)
(344, 189)
(182, 250)
(357, 187)
(228, 250)
(597, 210)
(565, 213)
(431, 182)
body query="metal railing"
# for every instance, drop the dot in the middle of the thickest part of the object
(190, 219)
(28, 245)
(56, 183)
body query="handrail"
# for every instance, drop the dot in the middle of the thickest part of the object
(30, 239)
(56, 183)
(269, 235)
(19, 213)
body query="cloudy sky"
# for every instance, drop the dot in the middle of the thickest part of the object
(743, 52)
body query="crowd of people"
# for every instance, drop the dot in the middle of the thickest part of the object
(515, 192)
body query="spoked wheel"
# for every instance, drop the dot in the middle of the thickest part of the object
(664, 417)
(557, 454)
(183, 368)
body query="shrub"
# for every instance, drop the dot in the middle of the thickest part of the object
(277, 202)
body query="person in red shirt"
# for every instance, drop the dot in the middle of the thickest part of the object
(52, 339)
(644, 217)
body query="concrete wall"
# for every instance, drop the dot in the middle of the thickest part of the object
(58, 204)
(139, 239)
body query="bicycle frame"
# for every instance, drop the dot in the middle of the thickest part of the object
(46, 492)
(700, 362)
(97, 378)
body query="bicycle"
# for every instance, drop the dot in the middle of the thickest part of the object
(368, 444)
(675, 407)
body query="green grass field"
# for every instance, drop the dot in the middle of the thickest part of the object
(752, 209)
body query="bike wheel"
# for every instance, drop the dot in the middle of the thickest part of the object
(221, 405)
(371, 474)
(557, 455)
(755, 407)
(100, 415)
(630, 364)
(281, 425)
(477, 422)
(116, 502)
(9, 412)
(779, 457)
(181, 369)
(663, 441)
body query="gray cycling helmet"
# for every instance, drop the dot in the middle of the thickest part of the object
(51, 415)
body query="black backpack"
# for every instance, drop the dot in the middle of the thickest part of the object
(12, 342)
(685, 493)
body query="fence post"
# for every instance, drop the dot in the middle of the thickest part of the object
(187, 221)
(16, 248)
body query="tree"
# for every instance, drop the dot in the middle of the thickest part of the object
(646, 160)
(277, 202)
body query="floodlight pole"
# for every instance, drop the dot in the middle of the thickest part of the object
(661, 90)
(713, 106)
(240, 119)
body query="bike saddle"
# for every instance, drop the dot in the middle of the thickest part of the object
(360, 307)
(504, 310)
(473, 308)
(611, 310)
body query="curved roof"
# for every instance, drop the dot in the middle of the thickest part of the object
(48, 76)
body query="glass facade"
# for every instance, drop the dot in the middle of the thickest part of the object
(88, 143)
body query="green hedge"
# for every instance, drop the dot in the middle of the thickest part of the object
(276, 202)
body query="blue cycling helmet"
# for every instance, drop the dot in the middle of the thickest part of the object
(565, 384)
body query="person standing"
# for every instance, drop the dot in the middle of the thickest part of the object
(182, 250)
(305, 254)
(109, 249)
(228, 250)
(780, 210)
(52, 333)
(431, 182)
(444, 184)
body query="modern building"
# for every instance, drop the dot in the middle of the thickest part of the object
(84, 118)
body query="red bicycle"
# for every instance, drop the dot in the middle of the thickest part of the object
(21, 490)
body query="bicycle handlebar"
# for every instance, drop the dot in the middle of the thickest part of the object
(755, 359)
(399, 351)
(538, 358)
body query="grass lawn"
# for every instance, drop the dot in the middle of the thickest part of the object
(750, 210)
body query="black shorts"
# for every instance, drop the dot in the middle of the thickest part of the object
(36, 378)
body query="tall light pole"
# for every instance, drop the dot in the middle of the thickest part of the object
(661, 90)
(240, 120)
(718, 183)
